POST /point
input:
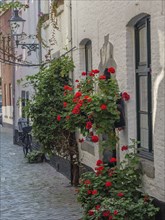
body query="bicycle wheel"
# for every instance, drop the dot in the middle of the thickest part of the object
(25, 145)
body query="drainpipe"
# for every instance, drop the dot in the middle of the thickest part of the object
(71, 40)
(40, 46)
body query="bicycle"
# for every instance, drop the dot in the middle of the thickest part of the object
(27, 140)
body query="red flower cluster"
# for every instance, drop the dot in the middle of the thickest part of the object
(97, 207)
(66, 87)
(81, 140)
(86, 97)
(99, 162)
(94, 192)
(65, 104)
(113, 160)
(76, 110)
(111, 70)
(106, 213)
(125, 96)
(91, 74)
(124, 148)
(102, 77)
(87, 182)
(115, 212)
(77, 94)
(83, 73)
(108, 184)
(88, 125)
(76, 80)
(91, 212)
(103, 107)
(58, 118)
(95, 138)
(120, 194)
(67, 117)
(95, 71)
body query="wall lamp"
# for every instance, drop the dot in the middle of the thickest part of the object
(17, 26)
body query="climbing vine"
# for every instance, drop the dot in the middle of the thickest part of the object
(6, 6)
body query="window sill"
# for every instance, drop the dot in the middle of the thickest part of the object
(147, 167)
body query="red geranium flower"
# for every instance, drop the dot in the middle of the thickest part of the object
(124, 148)
(94, 192)
(91, 212)
(76, 110)
(111, 70)
(67, 117)
(120, 194)
(113, 160)
(125, 96)
(102, 77)
(76, 80)
(65, 104)
(103, 107)
(66, 87)
(97, 207)
(81, 140)
(95, 139)
(101, 168)
(95, 71)
(99, 162)
(58, 117)
(88, 125)
(108, 184)
(89, 192)
(91, 74)
(84, 73)
(87, 182)
(115, 212)
(106, 213)
(77, 94)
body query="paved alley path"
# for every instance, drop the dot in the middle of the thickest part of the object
(32, 191)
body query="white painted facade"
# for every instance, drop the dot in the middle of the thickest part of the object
(96, 19)
(31, 17)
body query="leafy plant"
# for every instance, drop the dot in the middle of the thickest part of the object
(114, 193)
(35, 156)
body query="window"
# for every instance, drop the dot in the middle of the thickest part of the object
(5, 95)
(88, 56)
(143, 86)
(10, 94)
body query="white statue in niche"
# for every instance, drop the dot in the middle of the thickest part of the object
(106, 55)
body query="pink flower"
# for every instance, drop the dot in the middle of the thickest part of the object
(58, 117)
(111, 70)
(113, 160)
(124, 148)
(125, 96)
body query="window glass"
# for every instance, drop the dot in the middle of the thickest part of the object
(144, 131)
(88, 56)
(143, 45)
(143, 93)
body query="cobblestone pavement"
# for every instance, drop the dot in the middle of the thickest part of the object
(32, 191)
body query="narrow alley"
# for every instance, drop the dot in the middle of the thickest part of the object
(32, 191)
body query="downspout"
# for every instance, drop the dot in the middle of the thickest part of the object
(71, 40)
(40, 46)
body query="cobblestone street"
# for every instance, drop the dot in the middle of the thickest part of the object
(32, 191)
